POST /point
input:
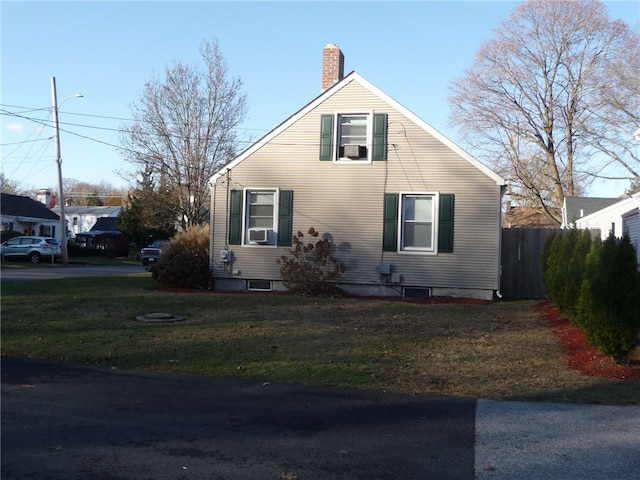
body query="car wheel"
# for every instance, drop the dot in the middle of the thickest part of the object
(34, 257)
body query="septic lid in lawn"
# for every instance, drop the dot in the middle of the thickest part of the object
(159, 317)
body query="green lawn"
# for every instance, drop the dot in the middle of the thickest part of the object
(498, 351)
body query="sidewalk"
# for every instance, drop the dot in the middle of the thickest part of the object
(542, 441)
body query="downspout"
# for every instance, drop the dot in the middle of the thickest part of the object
(503, 188)
(212, 221)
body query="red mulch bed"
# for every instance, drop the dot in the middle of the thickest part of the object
(580, 355)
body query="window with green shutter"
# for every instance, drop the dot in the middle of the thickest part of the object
(285, 218)
(445, 223)
(253, 214)
(326, 137)
(353, 137)
(390, 226)
(235, 217)
(409, 222)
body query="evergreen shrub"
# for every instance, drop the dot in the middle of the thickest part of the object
(609, 306)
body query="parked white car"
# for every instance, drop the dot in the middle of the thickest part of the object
(33, 248)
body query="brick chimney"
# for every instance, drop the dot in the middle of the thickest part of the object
(332, 66)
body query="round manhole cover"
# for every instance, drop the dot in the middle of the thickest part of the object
(159, 317)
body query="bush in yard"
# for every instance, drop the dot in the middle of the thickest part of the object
(564, 259)
(609, 305)
(578, 247)
(310, 268)
(184, 261)
(552, 268)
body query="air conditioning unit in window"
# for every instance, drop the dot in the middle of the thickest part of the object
(258, 235)
(352, 151)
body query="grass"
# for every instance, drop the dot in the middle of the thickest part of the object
(500, 351)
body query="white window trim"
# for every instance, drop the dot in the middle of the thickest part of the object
(434, 228)
(336, 137)
(245, 216)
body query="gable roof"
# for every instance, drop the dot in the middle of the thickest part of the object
(577, 207)
(19, 206)
(621, 207)
(355, 77)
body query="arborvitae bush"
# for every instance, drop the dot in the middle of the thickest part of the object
(564, 259)
(609, 305)
(578, 246)
(184, 261)
(552, 271)
(310, 269)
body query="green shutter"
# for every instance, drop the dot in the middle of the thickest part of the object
(326, 137)
(445, 223)
(285, 218)
(390, 227)
(379, 137)
(235, 217)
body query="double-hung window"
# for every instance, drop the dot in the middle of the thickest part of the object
(353, 137)
(418, 222)
(260, 216)
(417, 225)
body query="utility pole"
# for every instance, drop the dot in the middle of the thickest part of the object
(56, 137)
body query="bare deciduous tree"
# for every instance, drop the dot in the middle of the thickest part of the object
(551, 102)
(184, 129)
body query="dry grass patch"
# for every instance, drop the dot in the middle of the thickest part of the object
(498, 351)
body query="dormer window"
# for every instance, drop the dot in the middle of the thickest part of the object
(360, 137)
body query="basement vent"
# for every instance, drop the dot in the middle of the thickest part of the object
(413, 292)
(259, 285)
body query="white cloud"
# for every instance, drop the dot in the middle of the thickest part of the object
(15, 127)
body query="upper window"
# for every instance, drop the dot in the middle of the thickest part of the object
(348, 137)
(353, 137)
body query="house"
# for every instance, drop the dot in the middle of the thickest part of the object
(516, 216)
(28, 216)
(608, 220)
(408, 212)
(82, 219)
(618, 219)
(574, 208)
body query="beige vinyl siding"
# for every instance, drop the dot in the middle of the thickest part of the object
(346, 200)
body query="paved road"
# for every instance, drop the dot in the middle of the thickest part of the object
(48, 272)
(71, 422)
(67, 422)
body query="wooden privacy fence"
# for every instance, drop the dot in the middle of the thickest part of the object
(521, 269)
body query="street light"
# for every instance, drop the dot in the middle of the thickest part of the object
(63, 223)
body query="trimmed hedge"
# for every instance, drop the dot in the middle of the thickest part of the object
(597, 285)
(184, 261)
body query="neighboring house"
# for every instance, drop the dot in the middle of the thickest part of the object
(82, 219)
(608, 220)
(528, 217)
(575, 208)
(408, 212)
(28, 216)
(618, 219)
(631, 227)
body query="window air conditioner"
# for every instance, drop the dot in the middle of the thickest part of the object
(258, 235)
(352, 151)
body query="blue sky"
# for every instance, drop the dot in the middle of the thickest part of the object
(106, 51)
